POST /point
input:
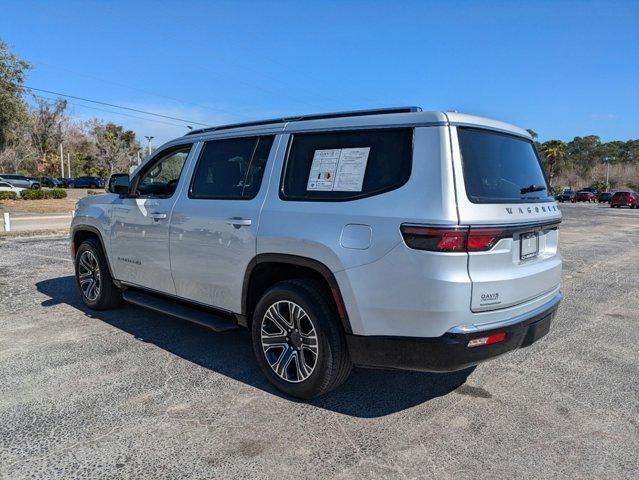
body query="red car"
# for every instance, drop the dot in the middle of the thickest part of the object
(585, 196)
(625, 199)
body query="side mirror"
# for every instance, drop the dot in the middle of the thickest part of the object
(119, 183)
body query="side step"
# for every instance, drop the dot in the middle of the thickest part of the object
(178, 309)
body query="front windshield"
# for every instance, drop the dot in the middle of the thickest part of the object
(500, 168)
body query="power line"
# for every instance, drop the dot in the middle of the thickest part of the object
(115, 106)
(115, 113)
(119, 84)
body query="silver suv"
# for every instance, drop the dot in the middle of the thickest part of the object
(391, 238)
(19, 181)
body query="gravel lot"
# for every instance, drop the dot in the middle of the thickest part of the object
(134, 394)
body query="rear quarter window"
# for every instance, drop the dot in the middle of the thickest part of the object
(382, 162)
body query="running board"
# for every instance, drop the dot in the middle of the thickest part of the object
(177, 309)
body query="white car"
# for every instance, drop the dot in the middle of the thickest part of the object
(6, 187)
(388, 238)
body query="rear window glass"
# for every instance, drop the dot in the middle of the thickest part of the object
(347, 165)
(500, 168)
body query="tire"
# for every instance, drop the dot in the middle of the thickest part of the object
(90, 257)
(35, 186)
(93, 185)
(315, 309)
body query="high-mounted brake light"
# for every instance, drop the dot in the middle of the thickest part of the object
(490, 339)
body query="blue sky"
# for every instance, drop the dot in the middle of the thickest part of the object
(560, 68)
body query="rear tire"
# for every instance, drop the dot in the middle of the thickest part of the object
(94, 280)
(298, 340)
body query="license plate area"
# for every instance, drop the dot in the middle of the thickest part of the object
(529, 245)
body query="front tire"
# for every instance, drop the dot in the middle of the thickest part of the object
(298, 340)
(94, 280)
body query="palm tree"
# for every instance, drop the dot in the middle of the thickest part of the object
(553, 151)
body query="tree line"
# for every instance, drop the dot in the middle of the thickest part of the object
(31, 135)
(587, 161)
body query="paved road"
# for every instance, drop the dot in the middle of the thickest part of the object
(33, 223)
(133, 394)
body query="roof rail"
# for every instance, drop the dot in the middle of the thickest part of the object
(315, 116)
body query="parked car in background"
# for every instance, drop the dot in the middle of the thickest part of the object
(19, 181)
(88, 182)
(590, 189)
(50, 182)
(565, 196)
(604, 197)
(7, 187)
(65, 182)
(625, 199)
(584, 196)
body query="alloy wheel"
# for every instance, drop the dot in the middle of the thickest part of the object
(89, 275)
(289, 341)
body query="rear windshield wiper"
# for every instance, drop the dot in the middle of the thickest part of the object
(532, 188)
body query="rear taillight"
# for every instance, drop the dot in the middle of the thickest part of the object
(482, 239)
(435, 239)
(452, 239)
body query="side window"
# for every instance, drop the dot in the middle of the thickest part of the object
(231, 168)
(161, 179)
(346, 165)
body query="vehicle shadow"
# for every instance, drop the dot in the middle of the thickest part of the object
(368, 393)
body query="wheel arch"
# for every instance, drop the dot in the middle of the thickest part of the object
(265, 269)
(83, 232)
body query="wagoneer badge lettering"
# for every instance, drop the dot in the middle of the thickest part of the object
(130, 260)
(549, 208)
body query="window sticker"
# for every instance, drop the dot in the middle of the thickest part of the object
(351, 169)
(338, 169)
(322, 174)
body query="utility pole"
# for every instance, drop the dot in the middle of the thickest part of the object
(139, 159)
(68, 165)
(61, 160)
(149, 138)
(607, 161)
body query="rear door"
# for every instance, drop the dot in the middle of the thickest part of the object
(214, 224)
(504, 199)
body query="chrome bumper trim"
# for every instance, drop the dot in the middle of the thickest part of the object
(552, 304)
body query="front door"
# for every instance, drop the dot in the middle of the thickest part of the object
(214, 226)
(140, 234)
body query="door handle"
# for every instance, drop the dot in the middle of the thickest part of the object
(238, 222)
(157, 215)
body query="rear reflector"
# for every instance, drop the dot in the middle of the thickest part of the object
(495, 338)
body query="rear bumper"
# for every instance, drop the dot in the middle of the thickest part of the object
(450, 351)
